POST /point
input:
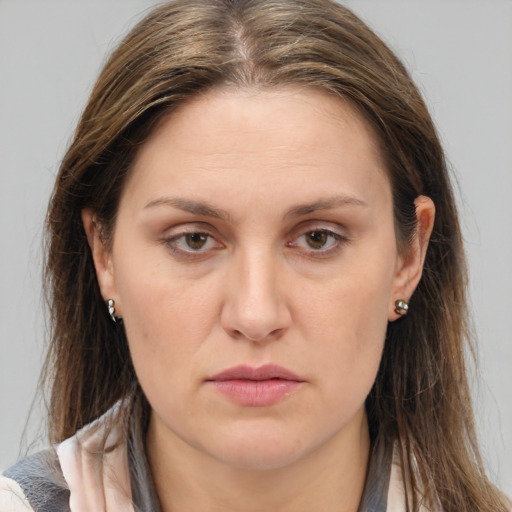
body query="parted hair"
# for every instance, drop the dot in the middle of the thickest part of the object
(420, 399)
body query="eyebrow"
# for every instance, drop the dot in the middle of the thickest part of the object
(191, 206)
(205, 209)
(324, 204)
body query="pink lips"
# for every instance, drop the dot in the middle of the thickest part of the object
(256, 387)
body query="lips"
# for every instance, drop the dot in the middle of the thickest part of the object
(266, 372)
(256, 387)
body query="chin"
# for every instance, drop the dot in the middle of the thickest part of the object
(265, 452)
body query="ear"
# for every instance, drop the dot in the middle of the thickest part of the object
(410, 264)
(102, 256)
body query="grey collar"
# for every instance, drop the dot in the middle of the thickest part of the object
(374, 497)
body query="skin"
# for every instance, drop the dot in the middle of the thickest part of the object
(270, 281)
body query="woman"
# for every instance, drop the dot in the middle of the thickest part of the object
(254, 194)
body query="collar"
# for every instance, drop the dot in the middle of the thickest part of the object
(107, 470)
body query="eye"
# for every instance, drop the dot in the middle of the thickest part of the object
(319, 240)
(192, 242)
(195, 241)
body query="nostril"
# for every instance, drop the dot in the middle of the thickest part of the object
(258, 337)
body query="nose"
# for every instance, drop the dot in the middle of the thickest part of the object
(255, 308)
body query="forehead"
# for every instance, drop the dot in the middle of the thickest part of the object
(246, 140)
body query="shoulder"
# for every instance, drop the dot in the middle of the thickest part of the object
(94, 464)
(398, 496)
(12, 497)
(88, 471)
(34, 484)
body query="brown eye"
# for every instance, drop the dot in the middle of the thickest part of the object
(319, 242)
(192, 244)
(317, 239)
(196, 241)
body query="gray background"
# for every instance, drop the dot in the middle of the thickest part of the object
(460, 54)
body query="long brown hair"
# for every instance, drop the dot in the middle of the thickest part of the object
(420, 398)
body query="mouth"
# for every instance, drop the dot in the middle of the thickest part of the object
(256, 387)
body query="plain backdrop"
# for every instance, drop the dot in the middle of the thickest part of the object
(460, 54)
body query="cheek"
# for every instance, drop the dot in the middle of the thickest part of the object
(349, 334)
(346, 324)
(166, 318)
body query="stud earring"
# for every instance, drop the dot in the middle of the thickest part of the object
(111, 305)
(401, 307)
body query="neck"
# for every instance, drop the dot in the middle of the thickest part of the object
(331, 478)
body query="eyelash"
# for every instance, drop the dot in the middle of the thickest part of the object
(338, 241)
(172, 244)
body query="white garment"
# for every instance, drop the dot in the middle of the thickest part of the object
(101, 483)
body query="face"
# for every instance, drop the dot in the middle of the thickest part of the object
(255, 265)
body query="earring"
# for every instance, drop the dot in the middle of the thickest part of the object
(111, 305)
(401, 307)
